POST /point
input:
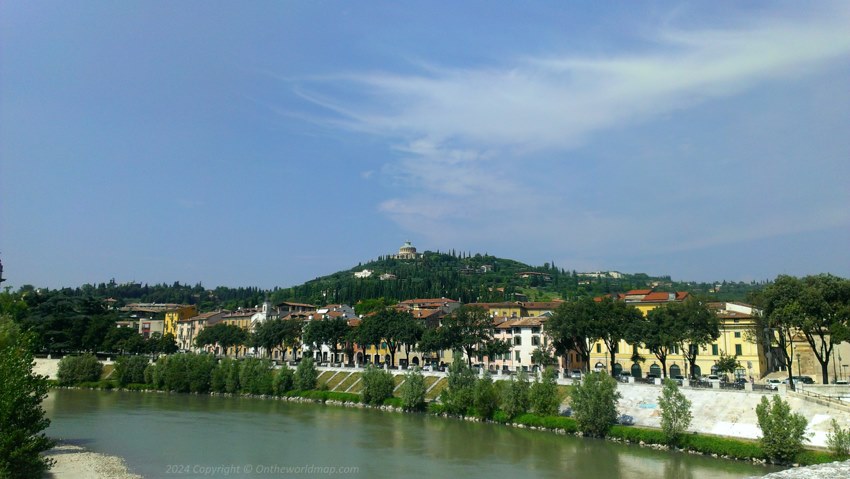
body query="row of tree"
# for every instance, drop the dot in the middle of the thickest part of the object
(814, 308)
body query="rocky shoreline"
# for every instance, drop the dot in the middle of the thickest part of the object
(75, 462)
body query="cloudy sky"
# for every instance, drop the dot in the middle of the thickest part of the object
(268, 143)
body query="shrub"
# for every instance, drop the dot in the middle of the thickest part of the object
(675, 411)
(306, 375)
(838, 441)
(153, 375)
(500, 417)
(394, 402)
(200, 368)
(256, 376)
(782, 431)
(515, 398)
(78, 369)
(544, 396)
(548, 422)
(283, 381)
(458, 397)
(436, 408)
(131, 369)
(377, 386)
(413, 391)
(594, 403)
(486, 397)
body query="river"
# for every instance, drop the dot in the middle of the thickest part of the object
(179, 435)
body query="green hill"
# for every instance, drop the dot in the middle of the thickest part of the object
(475, 278)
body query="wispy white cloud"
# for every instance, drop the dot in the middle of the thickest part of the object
(464, 134)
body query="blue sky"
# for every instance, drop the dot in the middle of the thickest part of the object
(268, 143)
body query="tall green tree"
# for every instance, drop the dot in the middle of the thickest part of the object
(783, 432)
(22, 418)
(331, 332)
(614, 321)
(221, 334)
(468, 329)
(572, 327)
(699, 326)
(387, 326)
(594, 403)
(823, 306)
(661, 332)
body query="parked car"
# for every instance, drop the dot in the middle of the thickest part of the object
(800, 380)
(679, 379)
(624, 377)
(711, 378)
(575, 374)
(567, 411)
(840, 382)
(625, 420)
(772, 383)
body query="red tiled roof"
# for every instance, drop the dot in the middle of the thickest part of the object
(657, 296)
(638, 292)
(429, 300)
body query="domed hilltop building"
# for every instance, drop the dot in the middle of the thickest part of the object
(407, 251)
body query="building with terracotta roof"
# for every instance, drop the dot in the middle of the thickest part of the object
(736, 321)
(188, 329)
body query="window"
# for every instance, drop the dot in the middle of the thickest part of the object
(737, 334)
(674, 349)
(517, 340)
(516, 355)
(598, 348)
(714, 350)
(738, 350)
(535, 340)
(535, 330)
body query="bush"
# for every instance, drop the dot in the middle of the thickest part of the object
(394, 402)
(458, 397)
(436, 408)
(256, 376)
(413, 391)
(675, 411)
(283, 381)
(131, 369)
(153, 375)
(306, 375)
(548, 422)
(544, 397)
(515, 398)
(782, 431)
(838, 441)
(378, 385)
(78, 369)
(200, 368)
(486, 397)
(594, 403)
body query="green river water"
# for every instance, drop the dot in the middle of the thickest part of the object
(177, 435)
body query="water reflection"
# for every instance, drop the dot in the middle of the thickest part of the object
(152, 430)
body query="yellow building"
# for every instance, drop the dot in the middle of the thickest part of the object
(736, 320)
(178, 312)
(241, 318)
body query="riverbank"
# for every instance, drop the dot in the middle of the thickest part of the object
(75, 462)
